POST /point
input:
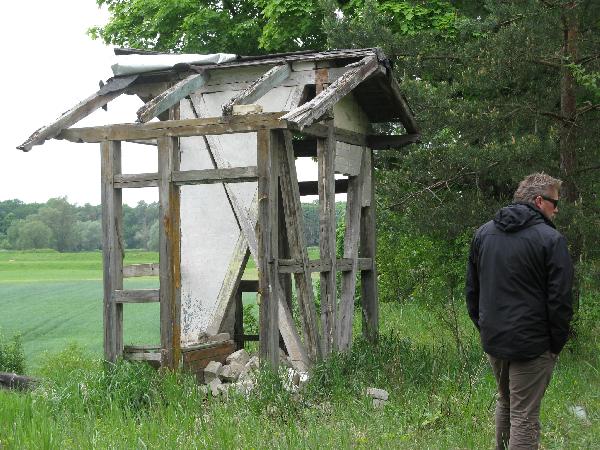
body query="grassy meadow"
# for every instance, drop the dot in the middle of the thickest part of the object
(441, 389)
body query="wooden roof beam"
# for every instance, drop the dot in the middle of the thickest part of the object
(259, 87)
(171, 96)
(111, 90)
(310, 112)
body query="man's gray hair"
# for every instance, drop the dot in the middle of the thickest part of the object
(534, 185)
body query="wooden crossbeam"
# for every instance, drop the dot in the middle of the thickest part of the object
(386, 142)
(294, 219)
(172, 96)
(210, 176)
(110, 91)
(136, 296)
(351, 242)
(312, 187)
(141, 270)
(136, 180)
(320, 265)
(311, 111)
(142, 356)
(272, 78)
(175, 128)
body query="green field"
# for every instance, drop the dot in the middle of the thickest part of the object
(53, 299)
(440, 385)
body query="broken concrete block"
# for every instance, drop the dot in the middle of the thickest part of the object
(212, 371)
(253, 363)
(231, 372)
(214, 386)
(378, 394)
(240, 357)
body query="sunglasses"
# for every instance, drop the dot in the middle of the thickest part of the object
(554, 201)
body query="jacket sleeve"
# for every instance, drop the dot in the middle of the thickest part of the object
(559, 303)
(472, 284)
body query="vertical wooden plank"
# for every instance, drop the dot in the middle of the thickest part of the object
(368, 249)
(238, 329)
(169, 253)
(351, 243)
(285, 279)
(295, 228)
(268, 247)
(112, 248)
(325, 161)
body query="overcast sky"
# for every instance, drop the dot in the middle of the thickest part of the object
(50, 64)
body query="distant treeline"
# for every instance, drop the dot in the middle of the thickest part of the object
(65, 227)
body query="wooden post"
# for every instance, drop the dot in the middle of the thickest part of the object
(238, 328)
(112, 248)
(169, 253)
(268, 146)
(325, 160)
(368, 241)
(351, 243)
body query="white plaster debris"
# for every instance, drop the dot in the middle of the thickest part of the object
(241, 357)
(214, 386)
(231, 372)
(212, 371)
(379, 394)
(580, 413)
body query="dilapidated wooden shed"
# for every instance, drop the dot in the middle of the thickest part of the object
(227, 136)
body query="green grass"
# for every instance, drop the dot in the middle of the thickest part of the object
(440, 398)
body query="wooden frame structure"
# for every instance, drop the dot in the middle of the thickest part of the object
(271, 231)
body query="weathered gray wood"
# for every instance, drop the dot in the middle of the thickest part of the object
(136, 296)
(296, 350)
(319, 265)
(141, 270)
(112, 248)
(368, 279)
(295, 231)
(172, 96)
(143, 356)
(238, 328)
(351, 243)
(209, 176)
(387, 142)
(169, 253)
(285, 280)
(318, 130)
(175, 128)
(136, 180)
(17, 382)
(78, 112)
(311, 111)
(141, 348)
(406, 116)
(267, 143)
(327, 245)
(272, 78)
(229, 288)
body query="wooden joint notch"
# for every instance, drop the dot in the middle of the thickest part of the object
(136, 296)
(320, 265)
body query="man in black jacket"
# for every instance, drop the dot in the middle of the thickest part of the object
(518, 290)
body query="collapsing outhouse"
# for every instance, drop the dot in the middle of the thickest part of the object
(228, 133)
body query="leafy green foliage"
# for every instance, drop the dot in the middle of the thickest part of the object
(12, 358)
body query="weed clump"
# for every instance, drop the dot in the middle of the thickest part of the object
(12, 358)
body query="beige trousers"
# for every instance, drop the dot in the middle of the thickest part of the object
(521, 386)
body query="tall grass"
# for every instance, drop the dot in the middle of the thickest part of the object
(439, 398)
